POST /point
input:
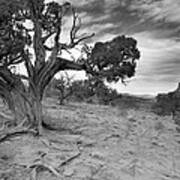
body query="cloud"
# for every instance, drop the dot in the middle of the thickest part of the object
(158, 52)
(161, 10)
(131, 16)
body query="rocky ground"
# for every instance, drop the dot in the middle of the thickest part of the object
(94, 142)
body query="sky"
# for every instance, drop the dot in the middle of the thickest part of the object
(155, 24)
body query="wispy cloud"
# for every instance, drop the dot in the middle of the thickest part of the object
(158, 52)
(161, 10)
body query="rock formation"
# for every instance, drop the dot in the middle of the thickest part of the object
(169, 103)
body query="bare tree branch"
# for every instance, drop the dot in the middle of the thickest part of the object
(72, 45)
(15, 60)
(47, 48)
(76, 25)
(28, 64)
(45, 38)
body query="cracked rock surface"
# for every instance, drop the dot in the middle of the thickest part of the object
(94, 142)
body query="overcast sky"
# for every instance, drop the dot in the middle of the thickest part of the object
(156, 26)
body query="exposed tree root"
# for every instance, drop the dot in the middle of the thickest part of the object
(4, 137)
(60, 129)
(46, 166)
(5, 116)
(8, 132)
(68, 161)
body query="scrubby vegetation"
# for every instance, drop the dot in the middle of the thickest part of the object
(169, 104)
(60, 88)
(95, 91)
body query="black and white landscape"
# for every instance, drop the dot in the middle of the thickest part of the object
(89, 90)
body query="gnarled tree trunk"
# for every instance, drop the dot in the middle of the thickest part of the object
(25, 104)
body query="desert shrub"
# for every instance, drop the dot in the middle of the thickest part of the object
(63, 86)
(164, 104)
(105, 94)
(60, 88)
(126, 102)
(82, 89)
(93, 91)
(167, 104)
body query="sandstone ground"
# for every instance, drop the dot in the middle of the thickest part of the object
(95, 142)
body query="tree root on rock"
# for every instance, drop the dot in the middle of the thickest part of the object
(68, 161)
(4, 137)
(46, 166)
(8, 132)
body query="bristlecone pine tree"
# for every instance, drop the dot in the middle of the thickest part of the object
(30, 36)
